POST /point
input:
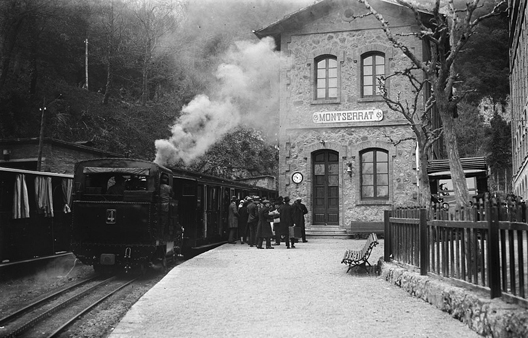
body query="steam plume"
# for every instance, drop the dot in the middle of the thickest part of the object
(246, 93)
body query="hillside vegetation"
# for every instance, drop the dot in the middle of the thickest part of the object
(147, 60)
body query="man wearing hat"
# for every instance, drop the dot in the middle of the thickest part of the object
(232, 220)
(299, 210)
(252, 222)
(286, 221)
(264, 227)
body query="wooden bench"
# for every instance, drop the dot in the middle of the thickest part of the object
(360, 257)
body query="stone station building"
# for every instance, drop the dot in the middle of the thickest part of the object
(342, 150)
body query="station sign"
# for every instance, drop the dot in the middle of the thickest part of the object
(368, 115)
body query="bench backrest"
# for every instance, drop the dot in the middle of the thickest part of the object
(371, 242)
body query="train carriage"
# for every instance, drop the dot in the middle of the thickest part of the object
(132, 229)
(35, 214)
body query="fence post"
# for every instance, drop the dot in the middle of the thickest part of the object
(388, 240)
(424, 244)
(493, 251)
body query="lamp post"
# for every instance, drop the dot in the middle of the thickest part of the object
(41, 136)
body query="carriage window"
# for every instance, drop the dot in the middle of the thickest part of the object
(136, 182)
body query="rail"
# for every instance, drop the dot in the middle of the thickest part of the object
(483, 248)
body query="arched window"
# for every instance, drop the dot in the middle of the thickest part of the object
(326, 77)
(375, 174)
(372, 68)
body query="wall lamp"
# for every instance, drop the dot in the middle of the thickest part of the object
(323, 142)
(349, 169)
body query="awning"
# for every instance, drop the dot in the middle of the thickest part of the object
(435, 167)
(448, 173)
(102, 170)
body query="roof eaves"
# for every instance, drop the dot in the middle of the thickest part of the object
(277, 27)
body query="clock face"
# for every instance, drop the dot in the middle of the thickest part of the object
(297, 177)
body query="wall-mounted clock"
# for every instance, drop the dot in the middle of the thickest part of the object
(297, 177)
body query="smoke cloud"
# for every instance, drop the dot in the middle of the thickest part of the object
(246, 92)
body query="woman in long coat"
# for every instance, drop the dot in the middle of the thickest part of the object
(264, 227)
(242, 221)
(232, 220)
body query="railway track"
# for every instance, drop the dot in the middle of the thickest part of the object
(49, 315)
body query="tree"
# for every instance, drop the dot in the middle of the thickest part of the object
(241, 153)
(499, 149)
(470, 131)
(445, 31)
(155, 19)
(484, 63)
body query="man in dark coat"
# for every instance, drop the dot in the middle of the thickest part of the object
(232, 219)
(243, 221)
(264, 226)
(299, 210)
(252, 222)
(286, 221)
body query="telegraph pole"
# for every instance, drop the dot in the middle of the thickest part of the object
(86, 63)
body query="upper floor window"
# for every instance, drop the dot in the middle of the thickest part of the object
(375, 174)
(372, 68)
(326, 77)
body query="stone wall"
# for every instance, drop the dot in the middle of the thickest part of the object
(57, 156)
(487, 317)
(301, 136)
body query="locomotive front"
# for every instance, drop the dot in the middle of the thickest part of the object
(117, 214)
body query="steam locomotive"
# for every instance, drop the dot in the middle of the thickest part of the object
(135, 228)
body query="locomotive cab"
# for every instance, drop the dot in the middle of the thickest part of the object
(122, 217)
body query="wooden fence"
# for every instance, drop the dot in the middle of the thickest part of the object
(485, 247)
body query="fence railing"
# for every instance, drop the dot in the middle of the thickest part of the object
(485, 247)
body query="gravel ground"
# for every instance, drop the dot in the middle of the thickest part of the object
(237, 291)
(20, 290)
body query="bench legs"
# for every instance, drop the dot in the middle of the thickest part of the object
(362, 265)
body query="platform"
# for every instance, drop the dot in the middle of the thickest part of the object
(238, 291)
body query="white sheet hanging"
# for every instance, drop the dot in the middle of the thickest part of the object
(67, 184)
(20, 198)
(44, 195)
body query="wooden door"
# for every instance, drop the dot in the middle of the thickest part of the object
(325, 180)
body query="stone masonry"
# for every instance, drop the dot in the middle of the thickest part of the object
(489, 318)
(342, 30)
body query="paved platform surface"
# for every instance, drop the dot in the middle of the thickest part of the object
(238, 291)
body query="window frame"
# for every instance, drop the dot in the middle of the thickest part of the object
(374, 174)
(364, 56)
(316, 58)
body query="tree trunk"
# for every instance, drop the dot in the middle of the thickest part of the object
(457, 173)
(424, 198)
(108, 81)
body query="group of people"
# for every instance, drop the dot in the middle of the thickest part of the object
(258, 221)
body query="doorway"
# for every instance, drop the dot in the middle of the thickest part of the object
(325, 171)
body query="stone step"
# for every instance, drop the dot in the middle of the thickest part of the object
(327, 232)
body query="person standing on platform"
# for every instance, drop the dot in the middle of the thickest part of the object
(232, 220)
(243, 221)
(286, 217)
(276, 225)
(252, 209)
(299, 210)
(264, 227)
(276, 222)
